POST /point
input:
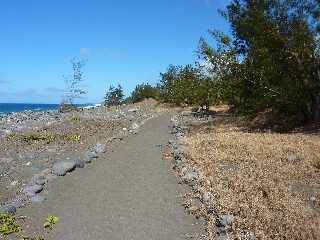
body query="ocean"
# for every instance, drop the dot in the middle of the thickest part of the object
(36, 107)
(20, 107)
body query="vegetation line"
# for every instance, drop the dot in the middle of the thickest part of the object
(270, 63)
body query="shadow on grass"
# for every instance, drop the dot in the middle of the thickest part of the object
(260, 124)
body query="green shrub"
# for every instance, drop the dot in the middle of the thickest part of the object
(144, 91)
(114, 96)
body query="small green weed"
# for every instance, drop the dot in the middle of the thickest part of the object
(72, 138)
(32, 137)
(42, 137)
(8, 224)
(50, 221)
(75, 119)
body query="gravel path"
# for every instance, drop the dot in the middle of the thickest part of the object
(130, 193)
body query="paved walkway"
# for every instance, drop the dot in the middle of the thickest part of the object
(128, 194)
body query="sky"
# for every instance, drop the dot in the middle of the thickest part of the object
(124, 41)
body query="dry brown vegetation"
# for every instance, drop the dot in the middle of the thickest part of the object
(269, 181)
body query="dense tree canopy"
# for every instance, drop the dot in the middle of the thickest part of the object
(143, 91)
(277, 42)
(186, 85)
(270, 62)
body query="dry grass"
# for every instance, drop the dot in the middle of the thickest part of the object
(270, 181)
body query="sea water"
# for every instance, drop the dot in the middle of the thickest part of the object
(20, 107)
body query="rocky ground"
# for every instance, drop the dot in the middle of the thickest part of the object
(244, 184)
(248, 184)
(128, 192)
(36, 147)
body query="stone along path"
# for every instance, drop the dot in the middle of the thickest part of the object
(128, 194)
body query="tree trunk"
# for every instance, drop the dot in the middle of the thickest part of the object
(316, 108)
(316, 98)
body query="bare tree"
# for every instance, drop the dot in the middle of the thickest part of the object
(74, 88)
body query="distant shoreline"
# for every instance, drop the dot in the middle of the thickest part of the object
(7, 108)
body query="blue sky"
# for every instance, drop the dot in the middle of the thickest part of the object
(125, 41)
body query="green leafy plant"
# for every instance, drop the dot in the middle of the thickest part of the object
(50, 221)
(8, 224)
(75, 119)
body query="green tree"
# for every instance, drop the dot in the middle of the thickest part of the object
(179, 84)
(143, 91)
(272, 60)
(218, 66)
(278, 41)
(114, 96)
(168, 80)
